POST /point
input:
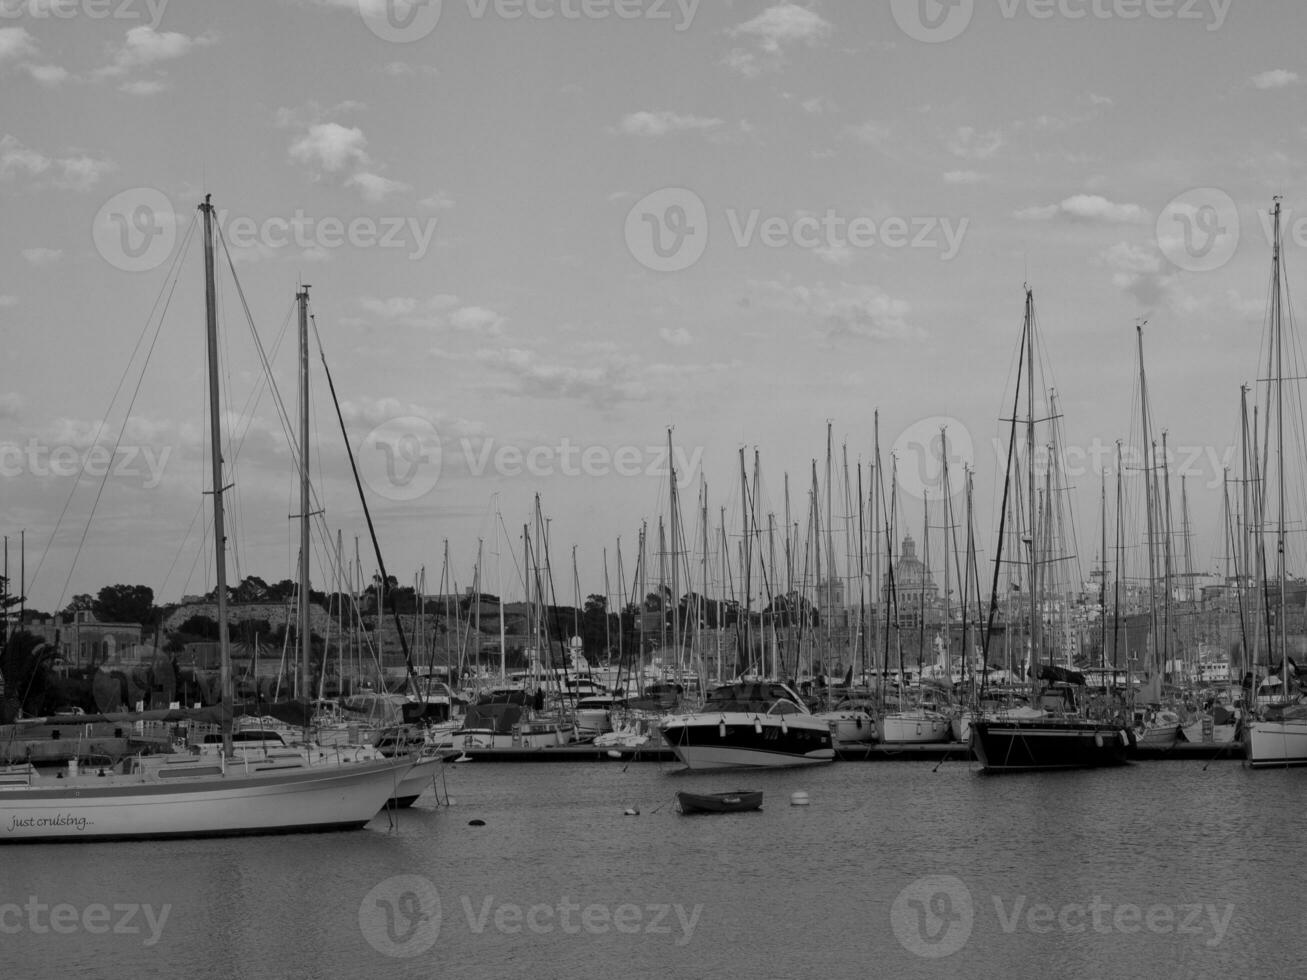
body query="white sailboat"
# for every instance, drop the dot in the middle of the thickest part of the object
(190, 796)
(1279, 736)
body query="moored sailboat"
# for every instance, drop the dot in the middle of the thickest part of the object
(762, 724)
(180, 795)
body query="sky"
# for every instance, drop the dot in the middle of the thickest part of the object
(538, 235)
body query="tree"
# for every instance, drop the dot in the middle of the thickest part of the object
(124, 604)
(82, 602)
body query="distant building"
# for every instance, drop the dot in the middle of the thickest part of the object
(915, 591)
(83, 641)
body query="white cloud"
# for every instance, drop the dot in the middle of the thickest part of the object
(677, 337)
(144, 87)
(374, 187)
(439, 201)
(331, 146)
(966, 142)
(869, 133)
(477, 319)
(963, 177)
(663, 122)
(1275, 78)
(7, 301)
(77, 173)
(144, 46)
(840, 255)
(16, 44)
(49, 75)
(781, 26)
(41, 256)
(843, 311)
(1086, 207)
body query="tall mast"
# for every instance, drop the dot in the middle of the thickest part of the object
(1276, 326)
(676, 540)
(302, 301)
(1030, 488)
(215, 452)
(1149, 460)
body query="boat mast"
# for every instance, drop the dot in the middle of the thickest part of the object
(302, 302)
(215, 454)
(1148, 502)
(1276, 326)
(1035, 655)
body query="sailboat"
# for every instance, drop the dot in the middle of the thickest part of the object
(1052, 733)
(186, 795)
(1279, 736)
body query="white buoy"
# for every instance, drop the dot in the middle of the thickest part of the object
(614, 754)
(631, 812)
(799, 798)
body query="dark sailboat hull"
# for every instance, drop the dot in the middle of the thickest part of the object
(1035, 745)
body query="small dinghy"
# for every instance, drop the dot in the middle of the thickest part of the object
(733, 802)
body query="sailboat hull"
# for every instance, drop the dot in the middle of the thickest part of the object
(1277, 743)
(195, 801)
(716, 740)
(1031, 745)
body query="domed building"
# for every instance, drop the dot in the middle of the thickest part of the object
(914, 588)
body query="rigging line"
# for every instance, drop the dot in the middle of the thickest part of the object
(172, 275)
(122, 432)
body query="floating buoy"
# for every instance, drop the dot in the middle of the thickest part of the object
(614, 754)
(476, 823)
(799, 798)
(631, 811)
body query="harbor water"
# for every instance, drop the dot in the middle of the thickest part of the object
(892, 870)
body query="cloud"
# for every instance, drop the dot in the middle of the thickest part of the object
(869, 133)
(662, 123)
(963, 177)
(7, 301)
(477, 319)
(144, 87)
(1275, 78)
(779, 27)
(40, 256)
(677, 336)
(76, 173)
(842, 311)
(16, 44)
(144, 46)
(439, 201)
(840, 255)
(603, 385)
(966, 142)
(48, 75)
(1088, 208)
(374, 187)
(331, 147)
